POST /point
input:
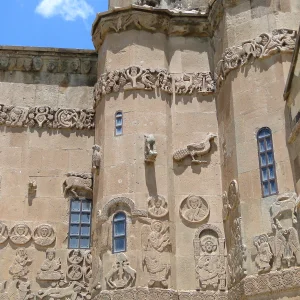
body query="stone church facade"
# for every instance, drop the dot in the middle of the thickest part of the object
(163, 165)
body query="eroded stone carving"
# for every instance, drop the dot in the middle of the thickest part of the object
(3, 233)
(44, 235)
(121, 275)
(150, 148)
(44, 116)
(194, 209)
(281, 40)
(75, 257)
(32, 187)
(209, 248)
(19, 268)
(156, 242)
(195, 150)
(153, 3)
(78, 184)
(50, 268)
(157, 206)
(20, 234)
(15, 289)
(264, 253)
(96, 158)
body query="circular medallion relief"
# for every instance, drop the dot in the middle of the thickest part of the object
(20, 234)
(157, 206)
(75, 257)
(44, 235)
(194, 209)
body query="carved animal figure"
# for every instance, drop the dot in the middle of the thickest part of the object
(285, 204)
(78, 183)
(153, 3)
(195, 150)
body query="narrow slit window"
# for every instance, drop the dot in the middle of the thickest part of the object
(80, 223)
(119, 123)
(266, 162)
(119, 232)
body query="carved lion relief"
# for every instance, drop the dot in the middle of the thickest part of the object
(157, 206)
(78, 185)
(209, 253)
(20, 234)
(3, 233)
(194, 209)
(44, 235)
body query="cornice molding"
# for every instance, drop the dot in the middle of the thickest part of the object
(47, 117)
(139, 78)
(156, 20)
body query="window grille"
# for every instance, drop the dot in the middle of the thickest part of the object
(118, 123)
(119, 232)
(267, 162)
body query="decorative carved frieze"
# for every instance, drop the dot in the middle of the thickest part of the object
(78, 185)
(156, 243)
(280, 40)
(157, 206)
(209, 254)
(194, 209)
(150, 148)
(44, 235)
(50, 268)
(195, 151)
(3, 233)
(138, 78)
(122, 275)
(20, 234)
(19, 268)
(45, 116)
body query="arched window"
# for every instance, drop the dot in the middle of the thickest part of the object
(119, 123)
(266, 162)
(119, 232)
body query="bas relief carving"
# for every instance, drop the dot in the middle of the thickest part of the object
(44, 235)
(150, 148)
(15, 290)
(194, 209)
(122, 275)
(264, 253)
(195, 151)
(156, 244)
(3, 233)
(96, 157)
(47, 117)
(209, 254)
(50, 268)
(20, 234)
(157, 206)
(19, 268)
(78, 185)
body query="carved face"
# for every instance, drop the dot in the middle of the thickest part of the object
(21, 230)
(157, 203)
(133, 71)
(50, 255)
(44, 231)
(157, 226)
(194, 202)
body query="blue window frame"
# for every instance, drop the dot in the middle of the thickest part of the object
(80, 223)
(119, 232)
(118, 123)
(267, 162)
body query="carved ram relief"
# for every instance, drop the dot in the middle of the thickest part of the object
(195, 151)
(78, 185)
(209, 254)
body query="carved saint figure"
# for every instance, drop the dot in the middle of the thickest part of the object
(195, 150)
(150, 148)
(75, 257)
(96, 157)
(157, 206)
(3, 233)
(264, 253)
(19, 268)
(44, 235)
(194, 209)
(155, 243)
(50, 269)
(121, 275)
(20, 234)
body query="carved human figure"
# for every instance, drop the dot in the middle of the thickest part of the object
(157, 206)
(134, 73)
(3, 233)
(50, 268)
(264, 253)
(19, 268)
(96, 157)
(150, 148)
(194, 209)
(75, 257)
(20, 234)
(156, 242)
(121, 275)
(44, 235)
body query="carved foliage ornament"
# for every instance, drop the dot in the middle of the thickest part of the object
(45, 116)
(194, 209)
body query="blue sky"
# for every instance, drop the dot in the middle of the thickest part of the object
(49, 23)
